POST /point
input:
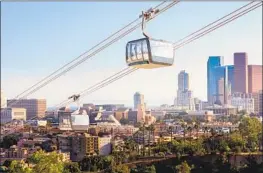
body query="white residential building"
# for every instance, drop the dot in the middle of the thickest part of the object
(243, 101)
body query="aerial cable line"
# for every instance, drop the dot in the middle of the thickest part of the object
(236, 16)
(194, 37)
(94, 53)
(212, 23)
(82, 55)
(99, 83)
(89, 91)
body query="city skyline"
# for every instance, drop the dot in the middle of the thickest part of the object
(36, 64)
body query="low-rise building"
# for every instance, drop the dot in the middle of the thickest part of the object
(9, 114)
(31, 143)
(158, 114)
(222, 110)
(81, 145)
(243, 101)
(37, 123)
(146, 137)
(121, 113)
(105, 145)
(16, 152)
(201, 115)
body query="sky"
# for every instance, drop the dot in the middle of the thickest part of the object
(39, 37)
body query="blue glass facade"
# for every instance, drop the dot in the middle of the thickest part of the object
(212, 63)
(215, 71)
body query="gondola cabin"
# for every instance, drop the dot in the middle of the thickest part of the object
(149, 53)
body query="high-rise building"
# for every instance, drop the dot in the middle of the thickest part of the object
(240, 72)
(183, 81)
(138, 99)
(3, 100)
(184, 98)
(254, 78)
(260, 100)
(230, 76)
(216, 73)
(221, 91)
(35, 108)
(213, 61)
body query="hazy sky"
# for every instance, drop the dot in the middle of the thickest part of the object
(38, 38)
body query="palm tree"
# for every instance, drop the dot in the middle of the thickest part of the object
(184, 126)
(190, 129)
(171, 133)
(196, 127)
(205, 131)
(143, 133)
(151, 132)
(213, 133)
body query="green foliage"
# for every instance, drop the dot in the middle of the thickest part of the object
(183, 168)
(144, 169)
(19, 167)
(43, 163)
(223, 146)
(9, 140)
(7, 163)
(121, 169)
(250, 127)
(3, 169)
(51, 162)
(96, 163)
(70, 167)
(236, 140)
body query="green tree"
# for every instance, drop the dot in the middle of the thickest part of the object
(7, 163)
(183, 168)
(249, 129)
(144, 169)
(47, 162)
(9, 140)
(70, 167)
(121, 169)
(19, 167)
(3, 169)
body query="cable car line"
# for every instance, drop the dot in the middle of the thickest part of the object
(91, 55)
(212, 23)
(99, 83)
(87, 92)
(242, 13)
(198, 36)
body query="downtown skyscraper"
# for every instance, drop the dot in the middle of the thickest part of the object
(184, 98)
(138, 99)
(212, 63)
(240, 72)
(220, 80)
